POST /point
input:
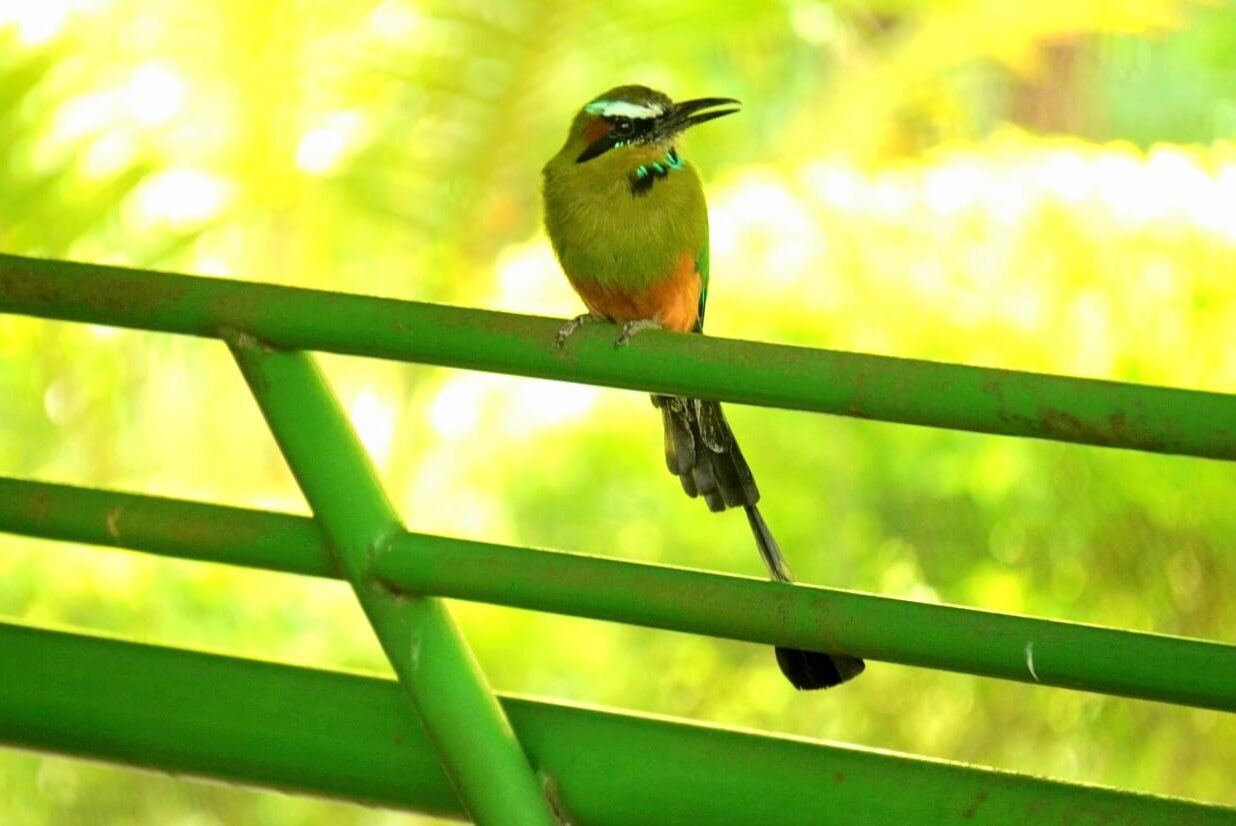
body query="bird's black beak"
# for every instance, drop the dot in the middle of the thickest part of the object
(688, 113)
(676, 119)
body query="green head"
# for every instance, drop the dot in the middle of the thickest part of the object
(632, 125)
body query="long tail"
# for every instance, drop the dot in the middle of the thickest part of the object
(700, 449)
(805, 669)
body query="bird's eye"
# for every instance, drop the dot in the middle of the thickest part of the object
(623, 127)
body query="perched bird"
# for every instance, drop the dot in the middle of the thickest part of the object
(626, 215)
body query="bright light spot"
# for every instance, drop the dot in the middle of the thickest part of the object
(120, 576)
(1210, 206)
(956, 186)
(900, 578)
(154, 94)
(762, 214)
(472, 514)
(814, 22)
(1092, 316)
(456, 410)
(108, 155)
(176, 388)
(540, 404)
(723, 229)
(515, 405)
(374, 420)
(839, 187)
(1158, 280)
(928, 276)
(1022, 306)
(393, 20)
(530, 281)
(83, 115)
(767, 203)
(1174, 178)
(212, 265)
(60, 403)
(1119, 181)
(103, 332)
(889, 198)
(321, 149)
(1223, 218)
(182, 197)
(1067, 174)
(37, 21)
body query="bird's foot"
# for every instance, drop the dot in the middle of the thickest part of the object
(632, 328)
(568, 329)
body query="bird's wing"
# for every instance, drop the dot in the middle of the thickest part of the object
(701, 266)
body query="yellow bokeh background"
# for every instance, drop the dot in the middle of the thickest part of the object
(1045, 186)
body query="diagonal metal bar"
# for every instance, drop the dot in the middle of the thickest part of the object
(1114, 414)
(1028, 649)
(464, 722)
(354, 737)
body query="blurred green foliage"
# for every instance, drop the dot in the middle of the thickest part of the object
(1037, 185)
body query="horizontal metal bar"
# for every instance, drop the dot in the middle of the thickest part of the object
(458, 711)
(1088, 411)
(168, 527)
(356, 738)
(1026, 649)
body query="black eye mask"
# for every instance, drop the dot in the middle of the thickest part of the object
(622, 131)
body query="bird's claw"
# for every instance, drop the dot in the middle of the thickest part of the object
(632, 328)
(568, 329)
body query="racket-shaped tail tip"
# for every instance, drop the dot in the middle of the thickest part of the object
(811, 670)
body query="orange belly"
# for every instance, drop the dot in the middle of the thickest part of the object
(674, 301)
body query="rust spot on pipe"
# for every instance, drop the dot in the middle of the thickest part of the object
(970, 811)
(39, 505)
(1064, 425)
(113, 522)
(1114, 430)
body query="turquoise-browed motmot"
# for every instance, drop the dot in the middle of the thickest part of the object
(626, 215)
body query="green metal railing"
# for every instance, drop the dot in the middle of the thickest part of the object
(438, 740)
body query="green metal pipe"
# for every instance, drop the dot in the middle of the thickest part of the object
(1028, 649)
(354, 737)
(168, 527)
(1063, 654)
(1113, 414)
(460, 714)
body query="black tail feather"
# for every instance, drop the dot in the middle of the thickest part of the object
(770, 551)
(806, 670)
(700, 449)
(809, 670)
